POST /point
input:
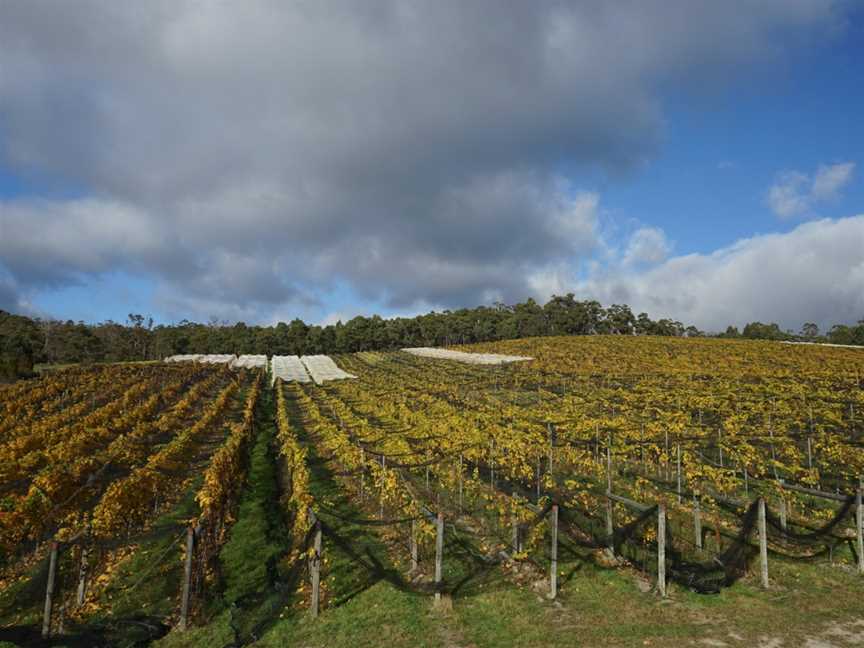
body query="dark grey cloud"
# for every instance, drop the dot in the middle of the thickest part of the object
(254, 153)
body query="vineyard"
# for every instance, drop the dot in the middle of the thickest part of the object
(599, 490)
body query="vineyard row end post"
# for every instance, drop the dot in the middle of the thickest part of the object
(859, 519)
(439, 555)
(315, 569)
(763, 544)
(49, 592)
(187, 579)
(661, 549)
(553, 569)
(697, 522)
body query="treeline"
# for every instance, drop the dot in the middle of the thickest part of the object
(25, 341)
(837, 334)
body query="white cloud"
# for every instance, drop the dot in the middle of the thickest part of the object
(647, 245)
(814, 273)
(794, 193)
(829, 180)
(244, 155)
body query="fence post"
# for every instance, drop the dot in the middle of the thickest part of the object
(49, 592)
(597, 444)
(661, 549)
(460, 482)
(316, 570)
(362, 473)
(666, 453)
(720, 445)
(773, 453)
(381, 494)
(610, 526)
(187, 578)
(763, 543)
(678, 469)
(859, 518)
(439, 555)
(697, 521)
(82, 576)
(608, 469)
(783, 513)
(610, 529)
(414, 545)
(538, 478)
(553, 570)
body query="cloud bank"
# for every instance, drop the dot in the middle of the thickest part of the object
(249, 157)
(815, 273)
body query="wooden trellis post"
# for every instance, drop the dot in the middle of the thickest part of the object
(187, 578)
(553, 569)
(49, 592)
(460, 482)
(720, 445)
(783, 522)
(315, 570)
(697, 522)
(381, 494)
(82, 576)
(661, 549)
(859, 523)
(763, 543)
(666, 455)
(610, 525)
(608, 468)
(439, 555)
(492, 464)
(538, 478)
(414, 553)
(362, 472)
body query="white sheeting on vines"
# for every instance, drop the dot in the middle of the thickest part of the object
(461, 356)
(322, 368)
(211, 358)
(250, 361)
(288, 368)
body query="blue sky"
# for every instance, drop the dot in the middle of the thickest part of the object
(195, 166)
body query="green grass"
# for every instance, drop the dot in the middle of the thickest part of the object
(252, 591)
(380, 616)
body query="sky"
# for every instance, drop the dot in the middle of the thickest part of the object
(266, 160)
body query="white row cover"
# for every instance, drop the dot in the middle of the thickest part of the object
(825, 344)
(210, 358)
(250, 361)
(288, 368)
(461, 356)
(322, 368)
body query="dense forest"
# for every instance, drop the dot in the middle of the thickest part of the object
(26, 341)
